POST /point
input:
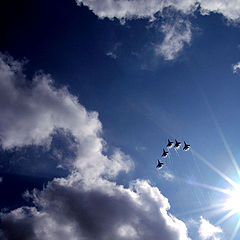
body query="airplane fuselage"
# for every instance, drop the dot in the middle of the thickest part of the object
(186, 148)
(160, 165)
(164, 154)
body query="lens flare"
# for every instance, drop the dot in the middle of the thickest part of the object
(233, 202)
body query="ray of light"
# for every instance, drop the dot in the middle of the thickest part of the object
(203, 209)
(196, 163)
(216, 170)
(225, 217)
(235, 230)
(227, 147)
(220, 132)
(210, 187)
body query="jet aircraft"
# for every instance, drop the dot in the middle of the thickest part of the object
(164, 153)
(186, 146)
(177, 144)
(170, 144)
(160, 164)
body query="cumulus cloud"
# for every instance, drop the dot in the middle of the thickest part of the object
(125, 9)
(207, 231)
(236, 67)
(31, 112)
(175, 36)
(229, 9)
(105, 211)
(88, 203)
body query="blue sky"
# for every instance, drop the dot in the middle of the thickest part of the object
(89, 94)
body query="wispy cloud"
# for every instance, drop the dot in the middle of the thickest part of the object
(175, 36)
(168, 176)
(236, 67)
(112, 55)
(113, 52)
(140, 148)
(207, 231)
(88, 203)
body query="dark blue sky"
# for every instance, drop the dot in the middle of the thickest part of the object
(142, 98)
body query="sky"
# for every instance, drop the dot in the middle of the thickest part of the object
(90, 93)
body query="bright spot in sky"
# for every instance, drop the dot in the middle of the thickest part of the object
(127, 231)
(233, 202)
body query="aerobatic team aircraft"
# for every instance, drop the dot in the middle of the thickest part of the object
(186, 146)
(170, 144)
(164, 153)
(160, 164)
(176, 146)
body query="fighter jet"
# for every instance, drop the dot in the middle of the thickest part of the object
(164, 153)
(177, 144)
(170, 144)
(160, 164)
(186, 146)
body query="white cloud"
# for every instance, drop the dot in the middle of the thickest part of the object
(167, 176)
(228, 8)
(31, 112)
(146, 9)
(175, 36)
(207, 231)
(87, 204)
(104, 211)
(236, 67)
(113, 53)
(125, 9)
(140, 148)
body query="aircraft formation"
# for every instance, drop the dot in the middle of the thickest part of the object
(170, 145)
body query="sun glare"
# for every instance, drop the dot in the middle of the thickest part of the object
(233, 202)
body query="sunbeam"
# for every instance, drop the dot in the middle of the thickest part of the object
(231, 204)
(203, 209)
(235, 230)
(227, 147)
(216, 170)
(225, 217)
(210, 187)
(220, 132)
